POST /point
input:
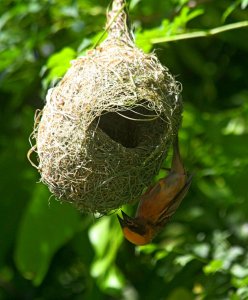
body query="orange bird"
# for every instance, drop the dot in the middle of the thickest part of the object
(158, 204)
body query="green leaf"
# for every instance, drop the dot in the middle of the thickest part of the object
(43, 230)
(239, 271)
(106, 237)
(240, 282)
(113, 280)
(144, 38)
(213, 267)
(201, 250)
(147, 249)
(234, 296)
(58, 64)
(161, 254)
(243, 293)
(229, 10)
(97, 235)
(244, 4)
(60, 58)
(183, 260)
(101, 237)
(133, 3)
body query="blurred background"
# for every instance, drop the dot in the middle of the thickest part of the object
(48, 250)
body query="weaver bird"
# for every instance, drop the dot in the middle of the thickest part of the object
(158, 204)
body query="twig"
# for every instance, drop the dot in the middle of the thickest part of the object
(202, 33)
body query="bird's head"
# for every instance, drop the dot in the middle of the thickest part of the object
(135, 230)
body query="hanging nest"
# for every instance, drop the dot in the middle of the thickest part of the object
(107, 126)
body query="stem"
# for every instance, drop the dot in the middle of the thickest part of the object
(202, 33)
(117, 22)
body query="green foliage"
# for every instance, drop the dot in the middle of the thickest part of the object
(50, 251)
(103, 267)
(167, 28)
(43, 230)
(57, 65)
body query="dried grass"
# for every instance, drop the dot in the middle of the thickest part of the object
(106, 127)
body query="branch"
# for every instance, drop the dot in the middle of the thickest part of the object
(202, 33)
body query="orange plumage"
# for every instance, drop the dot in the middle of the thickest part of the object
(158, 204)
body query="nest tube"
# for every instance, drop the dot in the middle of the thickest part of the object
(106, 127)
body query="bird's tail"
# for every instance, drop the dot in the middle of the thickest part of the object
(177, 164)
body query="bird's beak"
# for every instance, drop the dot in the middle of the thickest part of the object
(126, 219)
(121, 221)
(133, 231)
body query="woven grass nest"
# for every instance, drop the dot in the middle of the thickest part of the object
(106, 127)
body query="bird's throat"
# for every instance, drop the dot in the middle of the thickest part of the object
(136, 238)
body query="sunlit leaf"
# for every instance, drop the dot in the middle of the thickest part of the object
(114, 279)
(244, 4)
(239, 271)
(58, 64)
(229, 10)
(243, 293)
(147, 249)
(106, 237)
(201, 250)
(240, 282)
(183, 260)
(133, 3)
(98, 235)
(213, 267)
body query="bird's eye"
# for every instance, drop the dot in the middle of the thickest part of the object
(140, 229)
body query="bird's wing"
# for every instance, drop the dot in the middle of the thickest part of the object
(146, 209)
(159, 198)
(170, 209)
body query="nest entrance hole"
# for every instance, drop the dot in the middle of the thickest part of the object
(126, 127)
